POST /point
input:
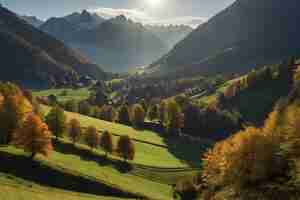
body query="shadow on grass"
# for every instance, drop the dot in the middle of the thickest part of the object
(187, 150)
(90, 155)
(21, 166)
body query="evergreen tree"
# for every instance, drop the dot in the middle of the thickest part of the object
(138, 115)
(175, 118)
(153, 112)
(124, 115)
(56, 121)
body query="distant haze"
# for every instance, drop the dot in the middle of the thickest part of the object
(189, 12)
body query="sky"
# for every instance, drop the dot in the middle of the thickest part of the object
(190, 12)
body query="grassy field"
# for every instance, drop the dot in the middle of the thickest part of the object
(143, 181)
(13, 188)
(75, 94)
(174, 153)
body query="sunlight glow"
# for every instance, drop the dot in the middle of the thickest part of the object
(154, 3)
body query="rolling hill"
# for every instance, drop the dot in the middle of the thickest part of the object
(35, 59)
(240, 37)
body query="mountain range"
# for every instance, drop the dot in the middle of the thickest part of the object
(117, 43)
(247, 34)
(31, 57)
(36, 22)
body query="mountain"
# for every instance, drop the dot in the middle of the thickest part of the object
(33, 20)
(33, 58)
(85, 19)
(118, 43)
(246, 34)
(170, 34)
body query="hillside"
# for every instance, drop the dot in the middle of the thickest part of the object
(35, 59)
(171, 34)
(240, 37)
(119, 37)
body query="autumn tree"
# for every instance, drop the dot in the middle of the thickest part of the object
(72, 106)
(74, 130)
(106, 142)
(56, 121)
(108, 113)
(251, 78)
(14, 110)
(162, 112)
(34, 137)
(126, 148)
(175, 118)
(92, 138)
(153, 112)
(124, 115)
(139, 115)
(85, 108)
(230, 91)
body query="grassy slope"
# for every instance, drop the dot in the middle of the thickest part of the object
(13, 188)
(76, 94)
(102, 173)
(174, 154)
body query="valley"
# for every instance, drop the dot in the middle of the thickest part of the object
(212, 111)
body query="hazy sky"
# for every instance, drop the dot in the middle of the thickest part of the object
(150, 11)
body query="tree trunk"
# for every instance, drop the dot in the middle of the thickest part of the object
(32, 156)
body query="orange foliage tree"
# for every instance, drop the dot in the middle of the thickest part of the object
(34, 136)
(13, 112)
(106, 142)
(74, 130)
(92, 138)
(126, 148)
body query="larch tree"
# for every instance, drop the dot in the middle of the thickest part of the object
(34, 137)
(126, 148)
(106, 142)
(74, 130)
(56, 121)
(92, 138)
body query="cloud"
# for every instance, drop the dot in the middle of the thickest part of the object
(143, 17)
